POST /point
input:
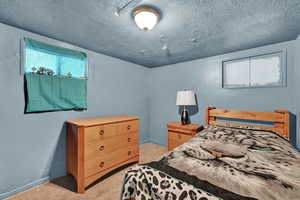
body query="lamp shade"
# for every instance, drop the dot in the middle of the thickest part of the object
(186, 98)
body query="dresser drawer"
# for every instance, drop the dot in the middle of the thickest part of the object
(96, 133)
(105, 146)
(97, 164)
(129, 126)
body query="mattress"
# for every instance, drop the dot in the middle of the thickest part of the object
(221, 162)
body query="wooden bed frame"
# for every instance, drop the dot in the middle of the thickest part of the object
(280, 119)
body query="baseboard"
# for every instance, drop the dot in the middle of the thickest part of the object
(25, 187)
(155, 141)
(46, 179)
(146, 140)
(152, 140)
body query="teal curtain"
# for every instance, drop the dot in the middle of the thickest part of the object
(60, 60)
(52, 93)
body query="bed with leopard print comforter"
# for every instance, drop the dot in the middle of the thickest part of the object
(220, 163)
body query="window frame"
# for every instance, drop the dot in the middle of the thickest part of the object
(23, 55)
(283, 66)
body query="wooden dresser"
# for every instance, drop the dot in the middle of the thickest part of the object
(179, 134)
(97, 146)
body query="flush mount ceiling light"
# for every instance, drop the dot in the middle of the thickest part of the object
(146, 17)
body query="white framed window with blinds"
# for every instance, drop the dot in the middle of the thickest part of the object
(268, 70)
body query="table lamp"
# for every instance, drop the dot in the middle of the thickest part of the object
(185, 98)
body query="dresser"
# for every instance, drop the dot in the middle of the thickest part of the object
(179, 134)
(96, 146)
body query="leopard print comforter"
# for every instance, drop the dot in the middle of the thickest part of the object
(146, 183)
(221, 162)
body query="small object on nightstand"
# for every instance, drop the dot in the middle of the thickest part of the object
(179, 134)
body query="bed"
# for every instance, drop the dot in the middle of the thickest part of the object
(229, 160)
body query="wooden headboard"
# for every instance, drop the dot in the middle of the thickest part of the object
(280, 119)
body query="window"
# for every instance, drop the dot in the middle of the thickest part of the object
(257, 71)
(55, 78)
(61, 61)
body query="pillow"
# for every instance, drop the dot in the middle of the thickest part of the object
(215, 149)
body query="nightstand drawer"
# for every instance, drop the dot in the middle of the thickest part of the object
(173, 144)
(179, 137)
(179, 134)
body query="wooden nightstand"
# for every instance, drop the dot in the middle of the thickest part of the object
(179, 134)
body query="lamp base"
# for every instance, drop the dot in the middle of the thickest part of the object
(185, 117)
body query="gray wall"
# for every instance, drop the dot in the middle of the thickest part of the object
(205, 78)
(32, 146)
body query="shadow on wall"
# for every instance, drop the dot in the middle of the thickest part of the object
(58, 163)
(192, 110)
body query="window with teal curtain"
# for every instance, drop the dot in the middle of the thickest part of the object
(55, 78)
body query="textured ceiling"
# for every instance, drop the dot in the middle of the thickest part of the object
(189, 29)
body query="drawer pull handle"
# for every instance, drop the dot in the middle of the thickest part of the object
(128, 127)
(101, 148)
(101, 164)
(179, 136)
(129, 153)
(129, 139)
(101, 132)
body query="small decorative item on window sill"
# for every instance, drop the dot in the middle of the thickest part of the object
(185, 98)
(69, 75)
(33, 70)
(50, 72)
(41, 71)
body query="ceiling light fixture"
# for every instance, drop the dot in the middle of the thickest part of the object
(146, 17)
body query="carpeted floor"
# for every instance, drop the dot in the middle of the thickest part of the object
(106, 189)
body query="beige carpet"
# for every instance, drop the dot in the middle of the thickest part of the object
(106, 189)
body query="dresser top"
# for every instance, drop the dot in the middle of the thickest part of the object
(101, 120)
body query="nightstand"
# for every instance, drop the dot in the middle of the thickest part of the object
(179, 134)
